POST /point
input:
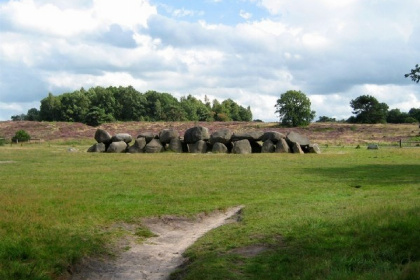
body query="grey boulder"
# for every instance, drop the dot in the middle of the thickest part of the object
(97, 148)
(248, 135)
(102, 136)
(273, 136)
(175, 145)
(268, 147)
(166, 135)
(122, 137)
(297, 148)
(282, 147)
(195, 134)
(117, 147)
(138, 146)
(199, 147)
(149, 136)
(242, 147)
(153, 146)
(222, 136)
(219, 148)
(314, 149)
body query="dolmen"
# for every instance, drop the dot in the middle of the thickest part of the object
(198, 139)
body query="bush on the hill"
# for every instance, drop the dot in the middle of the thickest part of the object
(21, 136)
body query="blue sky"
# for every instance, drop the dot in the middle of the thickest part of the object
(249, 50)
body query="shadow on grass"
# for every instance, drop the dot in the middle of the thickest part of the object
(373, 174)
(382, 244)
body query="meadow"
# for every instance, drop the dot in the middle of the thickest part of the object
(344, 214)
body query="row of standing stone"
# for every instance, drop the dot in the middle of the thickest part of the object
(198, 140)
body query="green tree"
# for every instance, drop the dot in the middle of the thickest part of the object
(415, 113)
(245, 114)
(414, 74)
(368, 110)
(396, 116)
(294, 109)
(326, 119)
(97, 116)
(50, 108)
(74, 106)
(32, 115)
(21, 136)
(17, 118)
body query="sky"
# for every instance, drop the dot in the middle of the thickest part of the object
(251, 51)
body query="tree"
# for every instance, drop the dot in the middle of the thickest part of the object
(368, 110)
(326, 119)
(414, 74)
(415, 113)
(294, 109)
(50, 108)
(21, 136)
(32, 115)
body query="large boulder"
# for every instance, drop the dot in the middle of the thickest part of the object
(97, 148)
(117, 147)
(282, 147)
(199, 147)
(138, 146)
(219, 148)
(175, 145)
(268, 147)
(148, 135)
(294, 137)
(153, 146)
(102, 136)
(166, 135)
(273, 136)
(248, 135)
(314, 149)
(195, 134)
(297, 149)
(242, 147)
(222, 136)
(122, 137)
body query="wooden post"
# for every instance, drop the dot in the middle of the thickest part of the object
(400, 143)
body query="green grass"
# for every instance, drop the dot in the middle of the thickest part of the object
(345, 214)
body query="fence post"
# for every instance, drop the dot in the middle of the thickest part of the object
(400, 143)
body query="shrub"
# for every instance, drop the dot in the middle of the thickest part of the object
(2, 141)
(21, 136)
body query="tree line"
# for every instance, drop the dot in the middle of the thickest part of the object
(294, 109)
(100, 105)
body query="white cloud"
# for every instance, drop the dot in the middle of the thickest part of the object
(47, 18)
(333, 51)
(245, 15)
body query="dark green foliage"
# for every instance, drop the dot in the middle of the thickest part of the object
(294, 109)
(415, 113)
(414, 74)
(368, 110)
(21, 136)
(326, 119)
(99, 105)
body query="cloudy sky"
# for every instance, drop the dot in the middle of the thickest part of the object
(249, 50)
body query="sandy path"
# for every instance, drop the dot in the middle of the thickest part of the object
(158, 256)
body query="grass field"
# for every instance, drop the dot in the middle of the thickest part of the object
(345, 214)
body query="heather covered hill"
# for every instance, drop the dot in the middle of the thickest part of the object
(321, 133)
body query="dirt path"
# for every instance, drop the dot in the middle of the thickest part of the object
(158, 256)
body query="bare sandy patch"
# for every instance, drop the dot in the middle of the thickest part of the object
(156, 257)
(6, 161)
